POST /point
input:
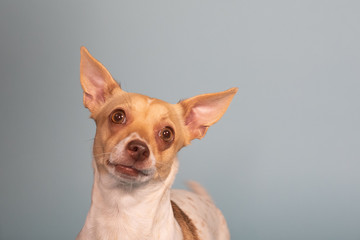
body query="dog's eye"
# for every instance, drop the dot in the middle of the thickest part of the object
(118, 117)
(167, 134)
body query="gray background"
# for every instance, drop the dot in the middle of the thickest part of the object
(283, 163)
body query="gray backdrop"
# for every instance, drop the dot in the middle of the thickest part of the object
(283, 163)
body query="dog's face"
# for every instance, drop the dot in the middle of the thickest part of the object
(137, 137)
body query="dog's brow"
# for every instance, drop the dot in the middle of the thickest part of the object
(165, 115)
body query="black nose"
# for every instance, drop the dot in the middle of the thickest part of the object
(138, 150)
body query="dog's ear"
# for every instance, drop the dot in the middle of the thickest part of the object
(95, 80)
(200, 112)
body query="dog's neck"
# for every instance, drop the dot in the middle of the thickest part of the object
(141, 212)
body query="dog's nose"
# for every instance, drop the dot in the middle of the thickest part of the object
(138, 150)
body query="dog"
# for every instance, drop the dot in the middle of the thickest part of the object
(134, 159)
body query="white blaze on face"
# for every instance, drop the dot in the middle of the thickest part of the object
(150, 100)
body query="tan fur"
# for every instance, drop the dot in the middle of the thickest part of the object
(135, 203)
(107, 135)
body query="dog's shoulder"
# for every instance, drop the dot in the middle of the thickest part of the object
(207, 219)
(188, 228)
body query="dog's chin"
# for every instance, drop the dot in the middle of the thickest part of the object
(129, 175)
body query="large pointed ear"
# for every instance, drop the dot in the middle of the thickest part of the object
(95, 80)
(202, 111)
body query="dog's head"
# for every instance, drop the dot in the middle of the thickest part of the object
(137, 137)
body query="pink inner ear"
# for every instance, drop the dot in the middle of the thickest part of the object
(204, 110)
(206, 113)
(199, 115)
(202, 116)
(195, 121)
(95, 82)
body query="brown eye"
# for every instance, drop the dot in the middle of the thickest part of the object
(118, 117)
(167, 134)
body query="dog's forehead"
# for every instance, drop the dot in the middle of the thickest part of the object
(141, 106)
(147, 105)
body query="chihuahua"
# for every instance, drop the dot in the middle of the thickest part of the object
(134, 160)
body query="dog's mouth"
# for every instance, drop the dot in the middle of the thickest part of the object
(129, 170)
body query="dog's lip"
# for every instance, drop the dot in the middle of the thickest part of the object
(128, 170)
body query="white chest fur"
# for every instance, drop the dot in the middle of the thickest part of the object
(144, 213)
